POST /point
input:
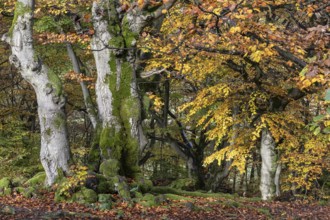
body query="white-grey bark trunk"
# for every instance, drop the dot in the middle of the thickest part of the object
(277, 180)
(54, 153)
(269, 166)
(101, 53)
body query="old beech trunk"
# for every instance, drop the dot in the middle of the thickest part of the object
(116, 90)
(54, 153)
(119, 108)
(270, 170)
(117, 100)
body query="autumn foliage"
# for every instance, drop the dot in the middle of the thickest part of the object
(253, 64)
(211, 76)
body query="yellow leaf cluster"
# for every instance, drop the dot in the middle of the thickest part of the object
(261, 51)
(78, 179)
(157, 102)
(305, 164)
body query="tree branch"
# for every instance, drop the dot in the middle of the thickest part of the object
(166, 6)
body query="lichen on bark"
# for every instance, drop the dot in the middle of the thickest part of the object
(20, 9)
(55, 82)
(119, 140)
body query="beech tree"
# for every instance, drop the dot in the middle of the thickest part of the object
(263, 58)
(54, 153)
(118, 25)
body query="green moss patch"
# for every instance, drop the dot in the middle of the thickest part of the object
(20, 9)
(184, 184)
(123, 190)
(85, 196)
(55, 82)
(26, 192)
(109, 168)
(169, 190)
(5, 183)
(38, 179)
(110, 142)
(104, 198)
(178, 197)
(5, 186)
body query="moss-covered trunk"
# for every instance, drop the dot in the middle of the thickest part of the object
(119, 140)
(120, 135)
(116, 90)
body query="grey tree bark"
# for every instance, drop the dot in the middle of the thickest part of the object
(270, 169)
(114, 49)
(91, 111)
(54, 153)
(119, 107)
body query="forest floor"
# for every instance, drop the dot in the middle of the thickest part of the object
(228, 207)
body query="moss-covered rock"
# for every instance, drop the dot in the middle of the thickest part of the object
(123, 190)
(29, 192)
(160, 199)
(149, 200)
(109, 168)
(5, 183)
(7, 191)
(18, 181)
(184, 184)
(105, 201)
(19, 189)
(5, 186)
(38, 179)
(85, 196)
(148, 196)
(106, 187)
(26, 192)
(145, 185)
(178, 197)
(104, 198)
(138, 195)
(105, 206)
(90, 195)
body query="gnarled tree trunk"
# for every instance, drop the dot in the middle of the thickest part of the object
(119, 107)
(117, 101)
(54, 153)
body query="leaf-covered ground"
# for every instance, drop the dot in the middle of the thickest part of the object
(18, 207)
